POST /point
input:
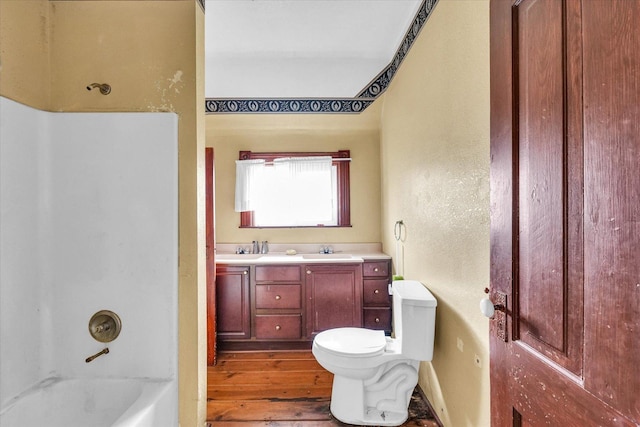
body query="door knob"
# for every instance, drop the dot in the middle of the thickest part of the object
(488, 308)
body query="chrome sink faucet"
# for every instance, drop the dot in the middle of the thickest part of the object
(326, 250)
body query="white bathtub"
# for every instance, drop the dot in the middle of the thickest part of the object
(87, 402)
(88, 222)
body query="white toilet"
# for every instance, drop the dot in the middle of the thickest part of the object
(374, 375)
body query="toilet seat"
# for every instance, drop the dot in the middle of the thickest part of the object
(352, 342)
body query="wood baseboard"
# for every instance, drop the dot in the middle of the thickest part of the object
(434, 414)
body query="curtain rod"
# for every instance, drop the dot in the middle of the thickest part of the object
(335, 159)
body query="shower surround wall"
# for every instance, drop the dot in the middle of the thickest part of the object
(88, 221)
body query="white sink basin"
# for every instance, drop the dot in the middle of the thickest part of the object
(284, 259)
(224, 257)
(327, 256)
(279, 258)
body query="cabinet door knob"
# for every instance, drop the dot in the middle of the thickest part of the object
(244, 272)
(377, 320)
(278, 327)
(377, 291)
(278, 297)
(308, 271)
(376, 269)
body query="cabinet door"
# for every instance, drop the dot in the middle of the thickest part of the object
(334, 296)
(232, 302)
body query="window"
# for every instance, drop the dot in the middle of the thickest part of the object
(310, 196)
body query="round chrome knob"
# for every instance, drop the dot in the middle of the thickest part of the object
(278, 297)
(377, 320)
(278, 327)
(377, 291)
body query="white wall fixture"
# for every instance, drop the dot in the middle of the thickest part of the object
(88, 222)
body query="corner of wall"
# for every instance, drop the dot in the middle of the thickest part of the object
(25, 70)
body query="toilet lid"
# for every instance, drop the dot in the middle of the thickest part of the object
(355, 342)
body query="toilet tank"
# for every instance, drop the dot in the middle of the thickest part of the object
(414, 318)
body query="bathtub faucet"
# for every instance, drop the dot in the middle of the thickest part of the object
(103, 327)
(98, 354)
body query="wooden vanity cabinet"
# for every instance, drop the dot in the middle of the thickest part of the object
(283, 306)
(333, 296)
(375, 295)
(278, 302)
(233, 308)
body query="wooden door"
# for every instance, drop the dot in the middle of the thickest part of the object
(565, 200)
(233, 307)
(334, 296)
(211, 262)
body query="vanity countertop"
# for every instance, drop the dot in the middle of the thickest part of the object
(304, 254)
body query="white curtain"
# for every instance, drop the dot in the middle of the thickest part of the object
(295, 166)
(295, 191)
(248, 184)
(309, 189)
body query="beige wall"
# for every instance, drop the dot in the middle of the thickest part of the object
(435, 177)
(24, 52)
(426, 151)
(150, 52)
(228, 134)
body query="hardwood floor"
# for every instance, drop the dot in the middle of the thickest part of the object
(279, 389)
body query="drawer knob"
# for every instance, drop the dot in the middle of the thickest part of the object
(377, 320)
(278, 327)
(376, 269)
(308, 271)
(244, 272)
(278, 297)
(377, 291)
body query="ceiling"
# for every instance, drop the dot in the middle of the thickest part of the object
(302, 49)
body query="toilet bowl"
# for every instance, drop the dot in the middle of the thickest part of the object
(374, 375)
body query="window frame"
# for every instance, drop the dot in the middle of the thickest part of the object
(342, 169)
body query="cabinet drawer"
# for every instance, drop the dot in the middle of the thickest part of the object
(278, 273)
(278, 326)
(376, 269)
(377, 318)
(278, 296)
(376, 292)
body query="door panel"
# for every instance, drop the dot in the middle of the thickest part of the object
(565, 197)
(612, 202)
(334, 296)
(547, 311)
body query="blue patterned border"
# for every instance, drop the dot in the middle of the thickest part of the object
(329, 105)
(287, 105)
(382, 81)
